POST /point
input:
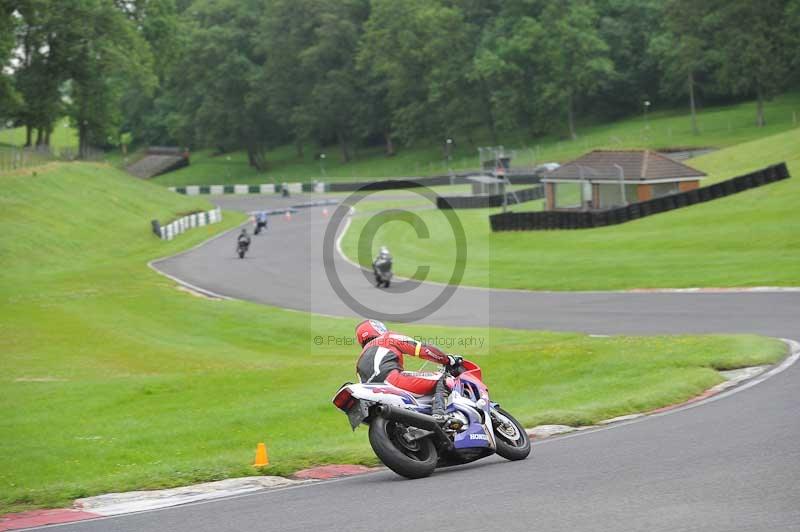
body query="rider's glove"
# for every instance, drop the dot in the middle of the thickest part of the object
(454, 364)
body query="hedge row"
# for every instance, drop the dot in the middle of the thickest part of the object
(528, 221)
(495, 200)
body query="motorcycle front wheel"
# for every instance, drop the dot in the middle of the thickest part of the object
(512, 441)
(414, 459)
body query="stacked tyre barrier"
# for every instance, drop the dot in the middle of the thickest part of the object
(534, 221)
(495, 200)
(185, 223)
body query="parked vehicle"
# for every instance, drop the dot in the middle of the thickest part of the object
(412, 443)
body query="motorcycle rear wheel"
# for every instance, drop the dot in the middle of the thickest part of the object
(512, 441)
(415, 459)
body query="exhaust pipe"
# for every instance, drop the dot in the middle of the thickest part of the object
(415, 419)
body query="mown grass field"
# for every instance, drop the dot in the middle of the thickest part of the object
(749, 239)
(115, 380)
(719, 127)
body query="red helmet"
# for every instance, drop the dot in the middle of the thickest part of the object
(369, 329)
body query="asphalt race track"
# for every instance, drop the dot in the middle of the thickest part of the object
(285, 268)
(725, 465)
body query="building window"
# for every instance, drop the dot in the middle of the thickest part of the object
(567, 195)
(610, 195)
(665, 189)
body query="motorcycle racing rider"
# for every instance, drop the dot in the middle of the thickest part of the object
(382, 267)
(261, 221)
(381, 360)
(244, 238)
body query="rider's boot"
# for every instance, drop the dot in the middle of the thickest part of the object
(437, 405)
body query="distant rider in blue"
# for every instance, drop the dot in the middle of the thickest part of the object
(261, 221)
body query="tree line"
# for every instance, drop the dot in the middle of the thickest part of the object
(254, 74)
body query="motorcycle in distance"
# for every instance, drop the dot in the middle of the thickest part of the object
(412, 443)
(242, 245)
(261, 222)
(382, 268)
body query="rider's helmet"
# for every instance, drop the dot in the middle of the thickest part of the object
(384, 252)
(368, 330)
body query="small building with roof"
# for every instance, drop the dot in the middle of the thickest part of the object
(603, 179)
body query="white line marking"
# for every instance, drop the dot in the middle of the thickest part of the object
(783, 366)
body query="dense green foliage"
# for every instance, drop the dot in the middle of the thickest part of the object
(113, 380)
(254, 74)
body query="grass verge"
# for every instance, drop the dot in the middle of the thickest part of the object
(749, 239)
(113, 380)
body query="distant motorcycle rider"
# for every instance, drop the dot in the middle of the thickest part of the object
(261, 221)
(382, 267)
(381, 360)
(244, 238)
(383, 254)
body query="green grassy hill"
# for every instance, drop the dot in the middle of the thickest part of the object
(113, 380)
(749, 239)
(719, 127)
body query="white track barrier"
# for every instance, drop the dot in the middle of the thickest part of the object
(181, 225)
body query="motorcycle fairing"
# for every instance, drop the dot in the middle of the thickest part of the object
(382, 393)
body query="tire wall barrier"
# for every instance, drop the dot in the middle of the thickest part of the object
(496, 200)
(533, 221)
(190, 221)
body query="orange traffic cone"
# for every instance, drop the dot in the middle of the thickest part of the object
(288, 216)
(261, 456)
(325, 212)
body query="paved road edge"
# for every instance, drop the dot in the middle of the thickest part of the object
(114, 505)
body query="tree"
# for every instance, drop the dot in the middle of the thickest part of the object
(146, 110)
(216, 85)
(40, 68)
(508, 63)
(310, 67)
(9, 98)
(751, 48)
(628, 28)
(105, 53)
(576, 54)
(421, 52)
(682, 50)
